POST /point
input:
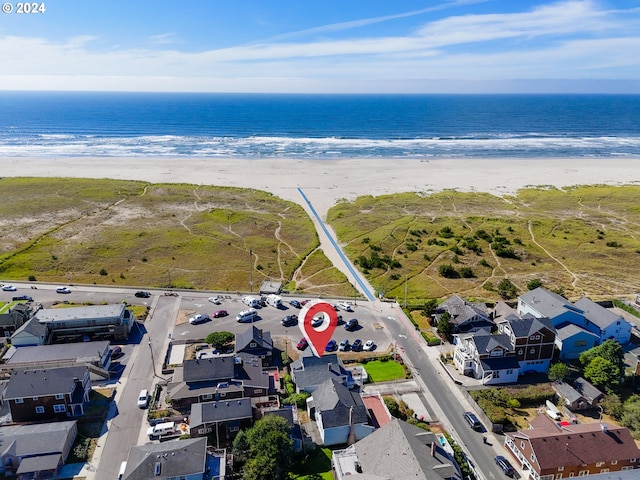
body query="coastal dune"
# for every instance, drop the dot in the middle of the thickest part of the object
(325, 182)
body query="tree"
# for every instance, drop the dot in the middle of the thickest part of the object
(610, 350)
(558, 371)
(270, 450)
(430, 307)
(602, 373)
(447, 271)
(240, 448)
(506, 289)
(219, 339)
(445, 327)
(533, 284)
(392, 406)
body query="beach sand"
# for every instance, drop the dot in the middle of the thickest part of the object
(325, 182)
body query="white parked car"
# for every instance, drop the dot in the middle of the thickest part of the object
(63, 290)
(215, 300)
(198, 318)
(9, 288)
(143, 399)
(369, 345)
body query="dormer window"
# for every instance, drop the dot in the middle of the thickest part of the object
(253, 344)
(496, 352)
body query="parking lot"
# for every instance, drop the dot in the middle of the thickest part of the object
(370, 323)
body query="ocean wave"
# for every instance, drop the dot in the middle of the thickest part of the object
(520, 145)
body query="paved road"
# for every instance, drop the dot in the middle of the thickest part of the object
(444, 397)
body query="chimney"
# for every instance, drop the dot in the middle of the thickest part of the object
(433, 449)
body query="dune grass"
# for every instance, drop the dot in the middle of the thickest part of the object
(581, 241)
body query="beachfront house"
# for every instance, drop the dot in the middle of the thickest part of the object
(486, 357)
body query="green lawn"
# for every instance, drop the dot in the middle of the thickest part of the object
(384, 371)
(316, 465)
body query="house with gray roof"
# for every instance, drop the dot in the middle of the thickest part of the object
(340, 413)
(255, 342)
(540, 302)
(184, 459)
(572, 340)
(95, 355)
(486, 357)
(532, 339)
(14, 318)
(74, 324)
(36, 449)
(48, 394)
(222, 419)
(220, 377)
(309, 372)
(397, 451)
(604, 323)
(465, 316)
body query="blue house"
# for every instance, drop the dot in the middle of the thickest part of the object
(572, 340)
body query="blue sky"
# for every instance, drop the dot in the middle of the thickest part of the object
(348, 46)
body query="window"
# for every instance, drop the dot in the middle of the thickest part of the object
(599, 464)
(234, 429)
(558, 476)
(532, 351)
(207, 396)
(59, 396)
(580, 343)
(534, 337)
(604, 470)
(223, 394)
(522, 445)
(59, 408)
(39, 409)
(253, 344)
(560, 469)
(614, 462)
(510, 371)
(533, 457)
(583, 473)
(35, 398)
(19, 400)
(257, 390)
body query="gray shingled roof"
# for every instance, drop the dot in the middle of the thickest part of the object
(210, 412)
(597, 314)
(335, 401)
(40, 383)
(40, 463)
(311, 371)
(175, 458)
(567, 392)
(500, 363)
(568, 330)
(586, 389)
(528, 325)
(547, 303)
(251, 374)
(33, 327)
(402, 451)
(215, 368)
(35, 439)
(486, 343)
(254, 334)
(462, 311)
(78, 351)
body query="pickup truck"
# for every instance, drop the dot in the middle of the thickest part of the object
(162, 430)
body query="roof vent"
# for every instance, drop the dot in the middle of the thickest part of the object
(227, 404)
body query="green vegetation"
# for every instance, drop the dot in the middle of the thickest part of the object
(180, 236)
(626, 308)
(487, 247)
(384, 370)
(265, 451)
(219, 339)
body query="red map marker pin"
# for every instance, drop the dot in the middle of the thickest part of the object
(318, 337)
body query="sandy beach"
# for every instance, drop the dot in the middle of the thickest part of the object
(325, 182)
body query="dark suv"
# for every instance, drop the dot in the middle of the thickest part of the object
(289, 320)
(351, 324)
(472, 420)
(504, 464)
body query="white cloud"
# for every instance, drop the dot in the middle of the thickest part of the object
(568, 40)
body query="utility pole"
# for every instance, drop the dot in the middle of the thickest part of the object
(250, 271)
(153, 362)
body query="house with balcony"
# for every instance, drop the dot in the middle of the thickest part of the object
(75, 324)
(486, 357)
(254, 342)
(532, 339)
(48, 394)
(549, 451)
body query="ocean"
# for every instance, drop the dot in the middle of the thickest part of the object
(46, 124)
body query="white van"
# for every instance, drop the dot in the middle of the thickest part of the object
(251, 301)
(554, 415)
(143, 399)
(274, 301)
(161, 429)
(247, 315)
(123, 467)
